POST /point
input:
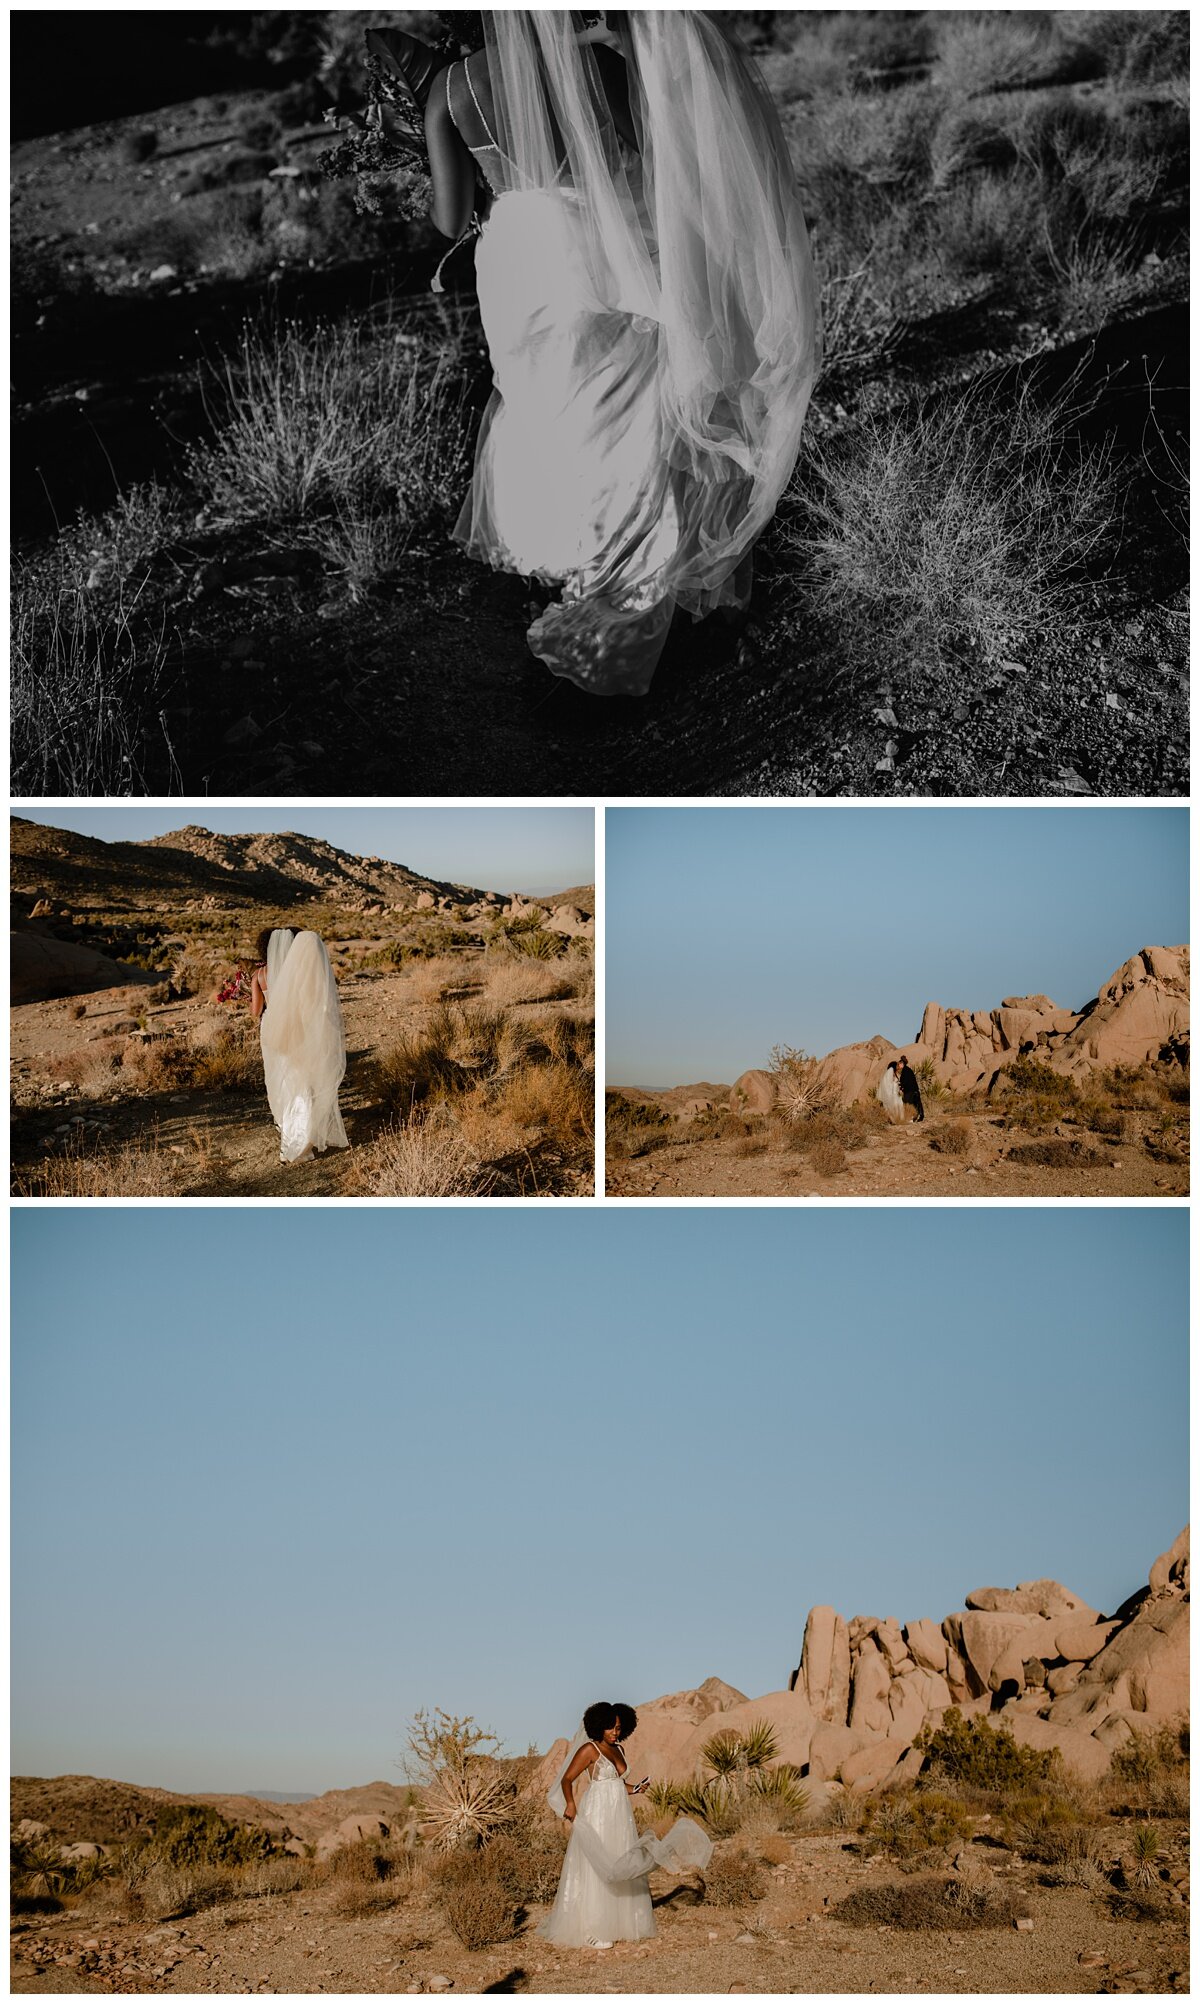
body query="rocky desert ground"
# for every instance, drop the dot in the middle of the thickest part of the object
(998, 204)
(469, 1022)
(1023, 1100)
(995, 1803)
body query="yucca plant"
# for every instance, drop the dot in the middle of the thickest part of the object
(1146, 1847)
(713, 1804)
(465, 1806)
(780, 1785)
(663, 1796)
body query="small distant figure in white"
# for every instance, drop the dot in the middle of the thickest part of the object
(899, 1093)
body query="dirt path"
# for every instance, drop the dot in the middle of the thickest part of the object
(787, 1942)
(898, 1162)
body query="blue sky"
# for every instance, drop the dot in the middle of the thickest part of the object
(734, 929)
(490, 848)
(275, 1488)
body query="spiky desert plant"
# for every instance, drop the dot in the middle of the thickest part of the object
(780, 1786)
(713, 1803)
(465, 1806)
(663, 1797)
(1146, 1845)
(799, 1087)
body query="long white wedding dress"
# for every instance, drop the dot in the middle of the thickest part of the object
(889, 1095)
(303, 1045)
(651, 320)
(604, 1892)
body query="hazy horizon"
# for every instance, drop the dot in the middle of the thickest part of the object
(275, 1490)
(732, 929)
(489, 848)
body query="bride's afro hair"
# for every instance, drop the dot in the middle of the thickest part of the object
(460, 32)
(627, 1717)
(598, 1718)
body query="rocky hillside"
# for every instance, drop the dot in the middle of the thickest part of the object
(1141, 1015)
(83, 1808)
(193, 864)
(1034, 1658)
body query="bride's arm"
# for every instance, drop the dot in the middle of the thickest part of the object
(580, 1765)
(451, 167)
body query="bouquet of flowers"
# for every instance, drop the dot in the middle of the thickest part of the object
(233, 989)
(383, 148)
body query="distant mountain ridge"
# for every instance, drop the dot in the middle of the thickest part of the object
(193, 862)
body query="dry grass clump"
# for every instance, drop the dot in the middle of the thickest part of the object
(905, 1825)
(634, 1127)
(734, 1877)
(89, 685)
(828, 1158)
(448, 976)
(427, 1156)
(750, 1144)
(934, 1904)
(477, 1902)
(964, 521)
(1152, 1771)
(342, 427)
(138, 1169)
(509, 982)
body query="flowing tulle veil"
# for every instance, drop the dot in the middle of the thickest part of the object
(685, 1847)
(303, 1044)
(698, 239)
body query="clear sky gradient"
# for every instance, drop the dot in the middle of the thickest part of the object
(490, 848)
(734, 929)
(278, 1481)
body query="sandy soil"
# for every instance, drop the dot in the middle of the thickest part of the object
(787, 1942)
(900, 1162)
(213, 1143)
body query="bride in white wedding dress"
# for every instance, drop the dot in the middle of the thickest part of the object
(303, 1043)
(604, 1893)
(649, 303)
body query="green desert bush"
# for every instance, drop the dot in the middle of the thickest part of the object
(906, 1824)
(960, 522)
(1152, 1771)
(982, 1755)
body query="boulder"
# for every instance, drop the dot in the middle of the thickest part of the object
(1173, 1568)
(1082, 1756)
(352, 1830)
(991, 1643)
(870, 1685)
(1141, 1008)
(1046, 1597)
(926, 1644)
(831, 1745)
(753, 1092)
(41, 968)
(871, 1766)
(1078, 1641)
(1142, 1668)
(825, 1665)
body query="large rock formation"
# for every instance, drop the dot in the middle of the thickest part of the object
(1034, 1658)
(1140, 1014)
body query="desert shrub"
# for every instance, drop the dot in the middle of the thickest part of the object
(90, 681)
(336, 421)
(536, 944)
(169, 1892)
(274, 1876)
(358, 1899)
(1133, 1087)
(1152, 1771)
(982, 1755)
(799, 1087)
(905, 1825)
(953, 1139)
(828, 1158)
(426, 1156)
(555, 1099)
(1056, 1153)
(959, 521)
(733, 1878)
(528, 1858)
(231, 1063)
(136, 1170)
(194, 1834)
(511, 982)
(750, 1144)
(633, 1127)
(477, 1903)
(931, 1903)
